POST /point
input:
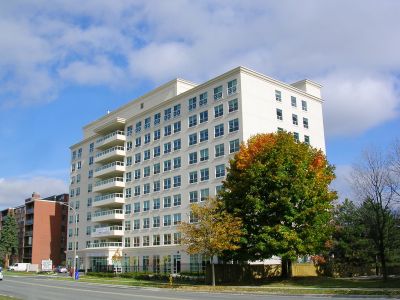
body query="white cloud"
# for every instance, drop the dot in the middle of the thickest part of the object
(14, 191)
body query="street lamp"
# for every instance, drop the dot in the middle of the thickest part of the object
(74, 234)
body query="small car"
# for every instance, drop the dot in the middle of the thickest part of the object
(1, 275)
(61, 269)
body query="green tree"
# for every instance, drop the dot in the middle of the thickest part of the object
(213, 231)
(8, 239)
(279, 188)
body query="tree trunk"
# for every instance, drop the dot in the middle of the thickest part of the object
(6, 261)
(286, 265)
(212, 271)
(383, 261)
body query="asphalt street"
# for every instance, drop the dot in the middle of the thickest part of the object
(42, 288)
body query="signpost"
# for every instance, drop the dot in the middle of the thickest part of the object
(47, 265)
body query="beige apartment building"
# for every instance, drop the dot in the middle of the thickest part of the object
(137, 169)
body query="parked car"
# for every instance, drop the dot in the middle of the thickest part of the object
(22, 267)
(1, 274)
(61, 269)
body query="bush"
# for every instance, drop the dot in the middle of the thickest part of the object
(101, 274)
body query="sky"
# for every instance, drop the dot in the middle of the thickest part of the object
(65, 63)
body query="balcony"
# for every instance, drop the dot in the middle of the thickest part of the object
(28, 233)
(109, 231)
(29, 222)
(111, 169)
(115, 199)
(115, 184)
(108, 215)
(112, 139)
(106, 245)
(110, 154)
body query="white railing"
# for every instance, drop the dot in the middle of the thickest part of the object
(105, 244)
(110, 150)
(110, 180)
(110, 135)
(114, 163)
(108, 196)
(106, 229)
(103, 213)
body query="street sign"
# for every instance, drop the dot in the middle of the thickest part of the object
(47, 265)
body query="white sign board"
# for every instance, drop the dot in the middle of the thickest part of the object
(47, 265)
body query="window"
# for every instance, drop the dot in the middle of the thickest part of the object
(204, 135)
(177, 219)
(147, 122)
(192, 103)
(218, 92)
(136, 224)
(167, 183)
(156, 221)
(73, 154)
(156, 240)
(156, 168)
(204, 174)
(232, 86)
(146, 188)
(88, 216)
(167, 114)
(146, 223)
(218, 188)
(220, 171)
(296, 136)
(193, 218)
(129, 161)
(147, 138)
(177, 200)
(137, 174)
(204, 154)
(137, 158)
(219, 150)
(177, 181)
(78, 178)
(203, 99)
(218, 111)
(146, 155)
(128, 176)
(193, 177)
(88, 230)
(146, 205)
(233, 105)
(234, 146)
(219, 130)
(167, 220)
(89, 202)
(146, 242)
(204, 116)
(146, 171)
(157, 118)
(307, 139)
(127, 242)
(127, 225)
(167, 165)
(177, 162)
(304, 105)
(204, 194)
(177, 238)
(294, 119)
(137, 190)
(167, 147)
(177, 110)
(128, 209)
(128, 146)
(90, 160)
(79, 152)
(177, 126)
(78, 191)
(193, 197)
(79, 165)
(156, 203)
(280, 129)
(138, 127)
(167, 130)
(129, 130)
(177, 144)
(192, 121)
(305, 123)
(156, 186)
(279, 114)
(128, 193)
(234, 125)
(156, 151)
(167, 201)
(278, 96)
(167, 239)
(192, 139)
(91, 147)
(90, 175)
(192, 158)
(136, 241)
(293, 101)
(157, 134)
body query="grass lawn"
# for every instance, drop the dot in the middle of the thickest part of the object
(7, 298)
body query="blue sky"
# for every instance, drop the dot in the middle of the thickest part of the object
(65, 63)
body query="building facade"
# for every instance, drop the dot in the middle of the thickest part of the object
(138, 169)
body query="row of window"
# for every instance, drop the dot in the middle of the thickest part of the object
(168, 239)
(293, 100)
(295, 119)
(167, 220)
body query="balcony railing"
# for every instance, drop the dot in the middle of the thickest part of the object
(110, 180)
(105, 244)
(110, 165)
(109, 136)
(114, 230)
(108, 212)
(108, 196)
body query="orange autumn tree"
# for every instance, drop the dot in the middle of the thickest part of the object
(214, 231)
(280, 189)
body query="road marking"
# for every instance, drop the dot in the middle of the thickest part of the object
(94, 291)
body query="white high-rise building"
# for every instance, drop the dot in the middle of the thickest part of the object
(138, 168)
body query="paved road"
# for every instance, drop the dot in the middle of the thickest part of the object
(41, 288)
